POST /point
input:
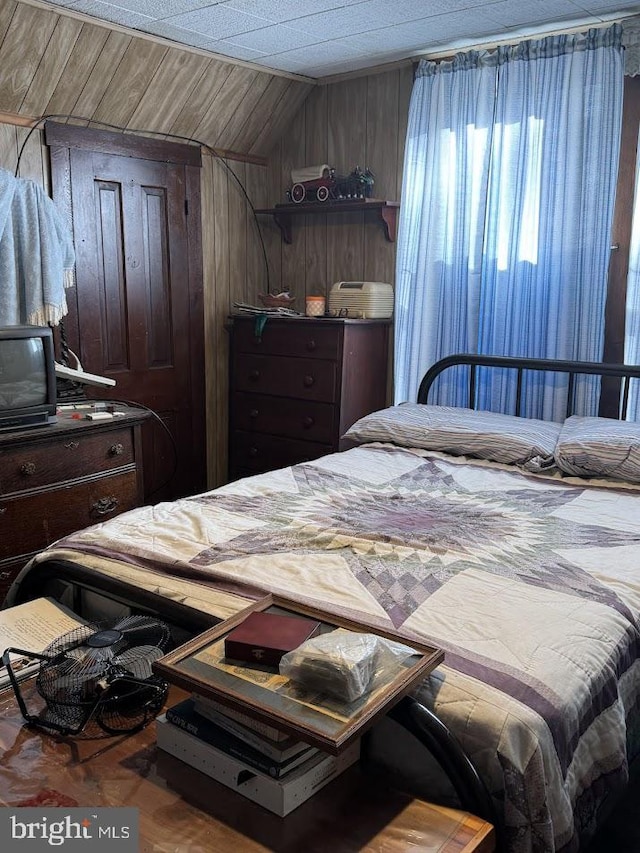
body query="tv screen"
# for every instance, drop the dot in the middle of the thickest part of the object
(23, 373)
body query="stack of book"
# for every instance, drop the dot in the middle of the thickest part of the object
(257, 760)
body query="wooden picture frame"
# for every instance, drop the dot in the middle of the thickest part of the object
(261, 693)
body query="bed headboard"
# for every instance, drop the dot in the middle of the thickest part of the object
(625, 372)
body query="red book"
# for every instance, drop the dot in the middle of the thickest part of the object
(265, 637)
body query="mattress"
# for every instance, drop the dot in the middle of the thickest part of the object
(528, 581)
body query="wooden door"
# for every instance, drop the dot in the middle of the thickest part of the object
(137, 314)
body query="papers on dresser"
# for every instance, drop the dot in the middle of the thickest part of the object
(32, 626)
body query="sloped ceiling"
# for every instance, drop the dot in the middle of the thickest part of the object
(56, 65)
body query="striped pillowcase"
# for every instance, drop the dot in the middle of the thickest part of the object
(525, 442)
(599, 447)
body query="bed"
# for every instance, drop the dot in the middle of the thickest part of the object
(512, 543)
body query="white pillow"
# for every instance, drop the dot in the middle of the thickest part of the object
(525, 442)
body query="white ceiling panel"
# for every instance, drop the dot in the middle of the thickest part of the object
(319, 38)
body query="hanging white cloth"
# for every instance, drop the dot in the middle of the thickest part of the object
(631, 44)
(36, 255)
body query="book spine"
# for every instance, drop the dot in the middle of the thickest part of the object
(249, 736)
(263, 729)
(279, 796)
(205, 731)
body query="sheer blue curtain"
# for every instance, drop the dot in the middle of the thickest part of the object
(632, 318)
(509, 181)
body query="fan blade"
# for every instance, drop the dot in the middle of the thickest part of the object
(138, 660)
(144, 630)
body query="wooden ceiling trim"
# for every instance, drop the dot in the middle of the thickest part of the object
(202, 95)
(168, 91)
(101, 74)
(80, 63)
(129, 83)
(45, 80)
(22, 49)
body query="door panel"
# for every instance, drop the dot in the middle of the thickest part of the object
(135, 305)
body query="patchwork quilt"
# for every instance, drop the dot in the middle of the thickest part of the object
(530, 583)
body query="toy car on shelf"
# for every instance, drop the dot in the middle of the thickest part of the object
(320, 184)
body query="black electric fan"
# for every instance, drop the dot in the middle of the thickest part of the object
(98, 678)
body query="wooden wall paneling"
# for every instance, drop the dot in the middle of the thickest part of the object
(32, 165)
(228, 99)
(218, 360)
(203, 93)
(256, 187)
(257, 118)
(278, 123)
(168, 91)
(270, 231)
(250, 103)
(8, 147)
(22, 47)
(316, 143)
(101, 74)
(7, 11)
(45, 80)
(347, 125)
(130, 81)
(404, 98)
(77, 70)
(293, 254)
(382, 159)
(237, 224)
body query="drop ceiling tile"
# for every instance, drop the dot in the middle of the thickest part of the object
(218, 22)
(274, 39)
(160, 9)
(515, 13)
(236, 51)
(279, 11)
(184, 37)
(107, 12)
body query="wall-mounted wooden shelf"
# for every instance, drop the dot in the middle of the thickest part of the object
(283, 213)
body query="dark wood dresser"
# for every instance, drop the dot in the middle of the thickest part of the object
(297, 386)
(60, 478)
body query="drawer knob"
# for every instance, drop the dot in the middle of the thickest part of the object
(253, 451)
(311, 345)
(116, 449)
(104, 506)
(254, 413)
(308, 381)
(27, 469)
(4, 576)
(308, 422)
(254, 375)
(3, 509)
(72, 445)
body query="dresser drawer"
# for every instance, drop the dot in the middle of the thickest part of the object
(303, 378)
(255, 452)
(46, 463)
(31, 522)
(303, 419)
(303, 338)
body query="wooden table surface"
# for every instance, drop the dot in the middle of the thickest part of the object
(183, 810)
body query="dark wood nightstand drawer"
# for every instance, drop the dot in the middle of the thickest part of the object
(308, 339)
(304, 419)
(46, 463)
(32, 522)
(303, 378)
(257, 452)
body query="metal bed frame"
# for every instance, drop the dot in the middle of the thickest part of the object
(623, 372)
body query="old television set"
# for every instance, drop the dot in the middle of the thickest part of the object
(27, 377)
